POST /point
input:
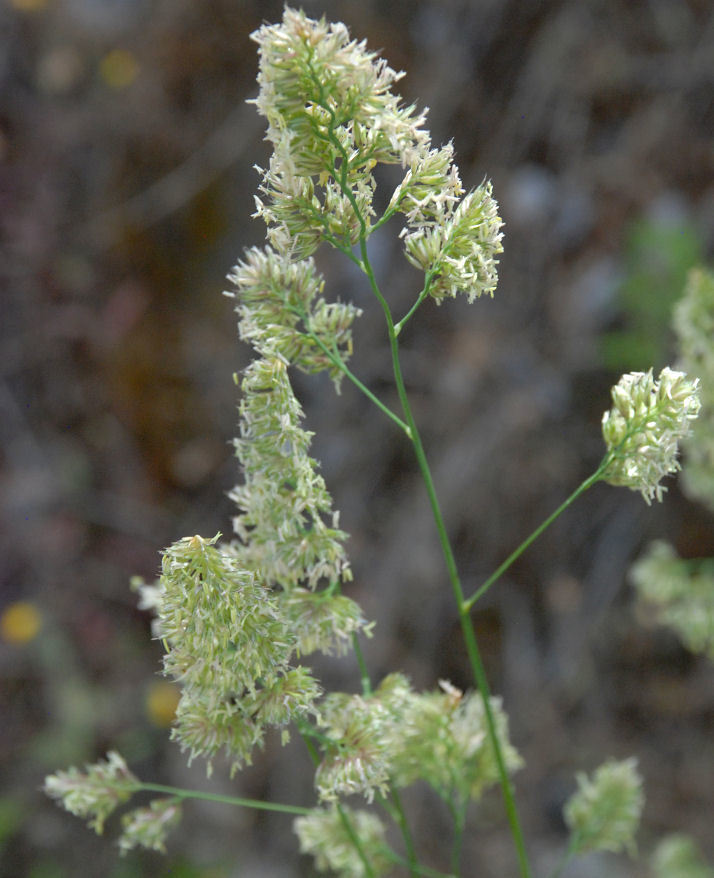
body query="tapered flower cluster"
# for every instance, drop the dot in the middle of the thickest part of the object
(678, 856)
(319, 88)
(680, 592)
(604, 813)
(328, 835)
(95, 792)
(693, 321)
(644, 427)
(148, 827)
(230, 648)
(100, 789)
(283, 315)
(332, 116)
(398, 736)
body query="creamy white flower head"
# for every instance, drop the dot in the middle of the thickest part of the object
(324, 833)
(315, 81)
(642, 430)
(458, 248)
(604, 813)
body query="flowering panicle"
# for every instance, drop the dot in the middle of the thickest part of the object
(693, 321)
(288, 529)
(322, 621)
(430, 190)
(459, 250)
(148, 827)
(283, 315)
(95, 792)
(454, 239)
(441, 737)
(604, 813)
(316, 83)
(356, 758)
(681, 593)
(301, 213)
(325, 834)
(677, 856)
(642, 430)
(230, 648)
(400, 736)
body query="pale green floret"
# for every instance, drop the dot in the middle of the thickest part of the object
(315, 82)
(283, 315)
(459, 251)
(230, 648)
(693, 321)
(677, 856)
(430, 189)
(207, 723)
(322, 621)
(604, 813)
(681, 593)
(442, 737)
(356, 757)
(95, 792)
(400, 736)
(148, 827)
(642, 430)
(301, 213)
(324, 835)
(222, 629)
(288, 530)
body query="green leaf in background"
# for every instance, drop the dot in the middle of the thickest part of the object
(657, 258)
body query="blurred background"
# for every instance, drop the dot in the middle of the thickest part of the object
(126, 188)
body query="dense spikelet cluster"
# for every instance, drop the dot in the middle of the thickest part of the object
(229, 647)
(283, 315)
(643, 428)
(332, 116)
(316, 83)
(328, 835)
(398, 736)
(680, 592)
(693, 321)
(148, 827)
(604, 813)
(457, 246)
(94, 793)
(677, 856)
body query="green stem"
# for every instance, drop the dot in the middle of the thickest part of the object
(420, 298)
(401, 819)
(225, 800)
(464, 618)
(459, 818)
(336, 360)
(536, 533)
(568, 856)
(349, 829)
(363, 672)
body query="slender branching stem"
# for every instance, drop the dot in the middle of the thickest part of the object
(468, 604)
(363, 672)
(181, 793)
